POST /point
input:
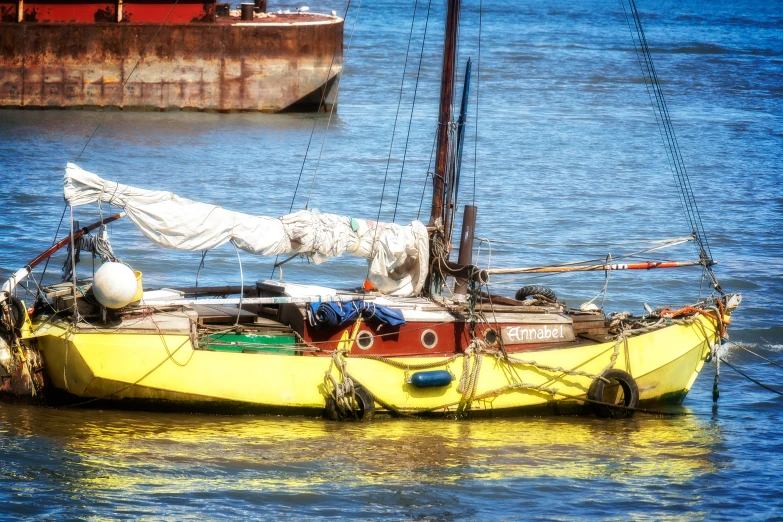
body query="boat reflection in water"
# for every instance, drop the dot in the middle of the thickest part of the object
(135, 455)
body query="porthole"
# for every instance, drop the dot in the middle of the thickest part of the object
(491, 337)
(364, 340)
(429, 339)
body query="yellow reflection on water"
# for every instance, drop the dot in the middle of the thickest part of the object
(133, 452)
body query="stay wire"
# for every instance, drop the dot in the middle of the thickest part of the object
(396, 117)
(758, 355)
(46, 265)
(645, 62)
(394, 131)
(670, 144)
(331, 112)
(670, 139)
(654, 102)
(413, 106)
(315, 121)
(676, 148)
(478, 84)
(427, 176)
(748, 377)
(122, 88)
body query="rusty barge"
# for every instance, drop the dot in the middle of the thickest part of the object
(165, 55)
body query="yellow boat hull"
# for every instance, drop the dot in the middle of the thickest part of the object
(116, 365)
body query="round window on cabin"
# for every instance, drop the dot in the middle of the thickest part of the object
(429, 339)
(491, 337)
(364, 340)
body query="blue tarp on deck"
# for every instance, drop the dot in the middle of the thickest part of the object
(338, 314)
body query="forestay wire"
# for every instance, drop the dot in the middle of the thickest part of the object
(478, 85)
(671, 145)
(312, 131)
(315, 118)
(331, 111)
(127, 79)
(397, 115)
(413, 106)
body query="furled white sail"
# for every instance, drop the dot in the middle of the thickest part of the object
(398, 255)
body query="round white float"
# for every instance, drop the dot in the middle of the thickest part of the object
(114, 285)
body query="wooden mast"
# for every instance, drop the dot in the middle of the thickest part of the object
(444, 114)
(438, 238)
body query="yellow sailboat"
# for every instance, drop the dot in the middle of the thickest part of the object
(161, 354)
(400, 345)
(166, 365)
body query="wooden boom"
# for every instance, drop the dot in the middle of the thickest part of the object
(648, 265)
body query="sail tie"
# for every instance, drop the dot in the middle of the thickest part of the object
(98, 245)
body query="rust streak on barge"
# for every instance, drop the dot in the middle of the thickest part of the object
(78, 54)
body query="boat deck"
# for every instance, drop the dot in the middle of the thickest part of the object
(432, 326)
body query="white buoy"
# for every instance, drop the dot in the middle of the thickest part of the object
(114, 285)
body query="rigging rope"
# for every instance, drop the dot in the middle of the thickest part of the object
(394, 127)
(413, 106)
(428, 175)
(662, 117)
(331, 111)
(724, 361)
(46, 265)
(198, 271)
(757, 355)
(241, 284)
(312, 132)
(478, 84)
(122, 88)
(315, 121)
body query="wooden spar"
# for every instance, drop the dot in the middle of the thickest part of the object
(444, 113)
(250, 300)
(66, 240)
(648, 265)
(453, 188)
(466, 245)
(22, 273)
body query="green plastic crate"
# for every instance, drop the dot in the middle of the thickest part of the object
(248, 343)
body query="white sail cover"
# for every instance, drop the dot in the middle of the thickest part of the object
(398, 255)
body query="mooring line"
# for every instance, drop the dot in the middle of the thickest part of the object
(724, 361)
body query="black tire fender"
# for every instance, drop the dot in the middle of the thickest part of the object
(530, 290)
(366, 403)
(18, 313)
(330, 409)
(630, 395)
(365, 406)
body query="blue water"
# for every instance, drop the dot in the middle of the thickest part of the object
(568, 157)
